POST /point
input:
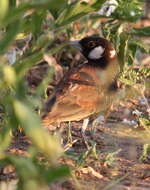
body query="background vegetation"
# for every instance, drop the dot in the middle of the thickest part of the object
(29, 30)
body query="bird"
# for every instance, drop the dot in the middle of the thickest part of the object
(87, 89)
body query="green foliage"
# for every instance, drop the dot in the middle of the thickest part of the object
(143, 32)
(134, 75)
(124, 37)
(3, 8)
(30, 17)
(126, 42)
(146, 153)
(111, 158)
(33, 175)
(76, 11)
(146, 124)
(129, 11)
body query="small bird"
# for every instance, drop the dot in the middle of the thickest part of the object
(87, 89)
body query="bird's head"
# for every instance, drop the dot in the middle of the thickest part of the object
(98, 51)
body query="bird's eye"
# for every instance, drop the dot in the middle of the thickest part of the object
(91, 44)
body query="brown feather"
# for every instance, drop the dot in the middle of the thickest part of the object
(86, 90)
(78, 101)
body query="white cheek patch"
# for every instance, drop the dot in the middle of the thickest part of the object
(96, 53)
(112, 53)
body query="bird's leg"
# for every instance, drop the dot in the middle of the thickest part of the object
(69, 132)
(84, 126)
(56, 128)
(100, 120)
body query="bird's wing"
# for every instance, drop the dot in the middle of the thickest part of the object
(78, 100)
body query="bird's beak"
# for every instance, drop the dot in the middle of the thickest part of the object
(75, 44)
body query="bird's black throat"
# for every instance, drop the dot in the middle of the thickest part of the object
(103, 62)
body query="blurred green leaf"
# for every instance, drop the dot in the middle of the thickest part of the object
(16, 13)
(9, 75)
(57, 7)
(29, 175)
(145, 123)
(129, 11)
(48, 145)
(12, 3)
(3, 8)
(111, 158)
(5, 139)
(122, 54)
(25, 167)
(37, 21)
(73, 12)
(54, 174)
(24, 64)
(145, 31)
(146, 153)
(132, 54)
(140, 45)
(9, 36)
(133, 46)
(76, 11)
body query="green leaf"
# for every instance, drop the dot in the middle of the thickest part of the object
(28, 170)
(48, 145)
(9, 75)
(22, 65)
(146, 153)
(111, 158)
(16, 13)
(37, 21)
(72, 13)
(76, 11)
(140, 44)
(9, 36)
(97, 4)
(29, 176)
(57, 7)
(123, 49)
(3, 8)
(54, 174)
(142, 32)
(146, 124)
(5, 139)
(129, 11)
(131, 55)
(12, 3)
